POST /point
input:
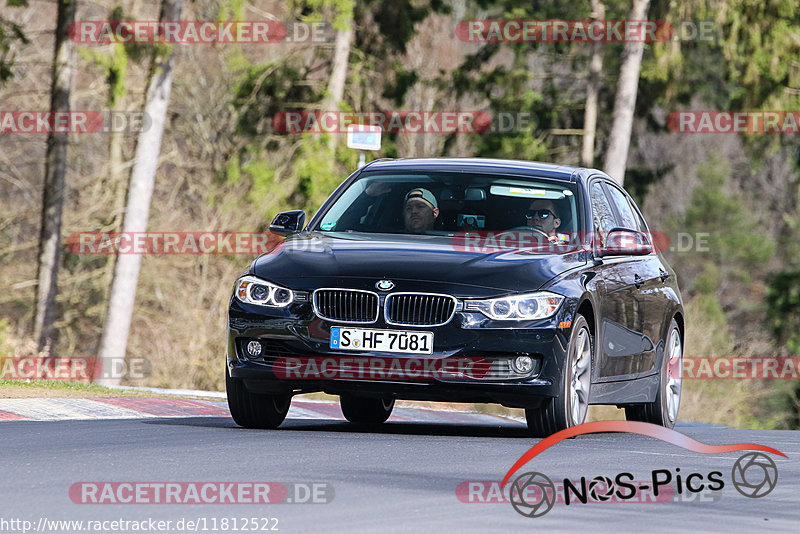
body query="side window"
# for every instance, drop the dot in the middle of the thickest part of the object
(602, 214)
(639, 219)
(627, 218)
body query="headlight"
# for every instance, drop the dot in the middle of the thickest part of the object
(517, 307)
(253, 290)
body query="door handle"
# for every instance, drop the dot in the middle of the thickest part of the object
(663, 275)
(638, 281)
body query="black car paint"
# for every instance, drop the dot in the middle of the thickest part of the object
(630, 323)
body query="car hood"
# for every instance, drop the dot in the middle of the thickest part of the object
(413, 263)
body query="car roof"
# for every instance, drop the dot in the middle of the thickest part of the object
(509, 166)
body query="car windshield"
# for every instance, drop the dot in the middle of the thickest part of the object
(448, 203)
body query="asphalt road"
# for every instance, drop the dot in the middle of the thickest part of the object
(400, 478)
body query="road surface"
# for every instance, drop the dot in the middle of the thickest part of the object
(406, 476)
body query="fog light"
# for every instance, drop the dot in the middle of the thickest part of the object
(254, 348)
(522, 364)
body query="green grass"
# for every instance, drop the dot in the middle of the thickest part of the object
(57, 384)
(78, 387)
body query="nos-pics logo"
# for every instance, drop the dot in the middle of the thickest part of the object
(533, 494)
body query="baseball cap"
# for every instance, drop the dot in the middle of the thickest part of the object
(423, 194)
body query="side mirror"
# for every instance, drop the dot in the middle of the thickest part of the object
(288, 222)
(625, 242)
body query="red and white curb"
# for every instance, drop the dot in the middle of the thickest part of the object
(106, 408)
(60, 409)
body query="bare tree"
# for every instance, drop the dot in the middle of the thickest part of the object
(54, 182)
(114, 341)
(592, 89)
(341, 58)
(622, 122)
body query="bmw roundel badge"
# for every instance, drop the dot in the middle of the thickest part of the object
(384, 285)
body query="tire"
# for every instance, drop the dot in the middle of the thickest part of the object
(570, 407)
(365, 410)
(253, 410)
(663, 411)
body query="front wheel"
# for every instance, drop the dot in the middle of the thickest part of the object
(253, 410)
(569, 408)
(365, 410)
(663, 411)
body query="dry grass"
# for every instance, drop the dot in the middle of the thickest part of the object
(723, 401)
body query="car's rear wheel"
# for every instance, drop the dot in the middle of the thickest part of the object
(570, 407)
(663, 410)
(365, 410)
(254, 410)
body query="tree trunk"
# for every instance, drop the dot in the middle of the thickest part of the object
(126, 272)
(625, 102)
(341, 58)
(118, 91)
(54, 182)
(592, 89)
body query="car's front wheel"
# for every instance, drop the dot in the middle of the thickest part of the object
(365, 410)
(569, 408)
(254, 410)
(663, 410)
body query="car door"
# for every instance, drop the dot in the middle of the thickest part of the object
(620, 331)
(648, 284)
(658, 293)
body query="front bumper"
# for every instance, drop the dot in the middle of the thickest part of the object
(296, 335)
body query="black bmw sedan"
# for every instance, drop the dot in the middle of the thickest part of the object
(463, 280)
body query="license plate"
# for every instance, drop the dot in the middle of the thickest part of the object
(343, 338)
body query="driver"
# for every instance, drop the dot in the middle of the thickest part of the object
(543, 216)
(420, 211)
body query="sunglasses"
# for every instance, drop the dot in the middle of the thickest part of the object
(542, 214)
